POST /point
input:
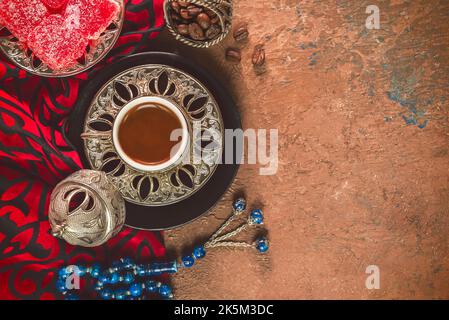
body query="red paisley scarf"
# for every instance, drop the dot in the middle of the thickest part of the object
(34, 157)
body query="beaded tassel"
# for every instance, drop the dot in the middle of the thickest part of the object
(126, 280)
(255, 218)
(127, 276)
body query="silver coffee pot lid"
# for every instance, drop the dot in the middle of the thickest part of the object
(86, 209)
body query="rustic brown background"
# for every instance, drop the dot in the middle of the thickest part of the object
(363, 156)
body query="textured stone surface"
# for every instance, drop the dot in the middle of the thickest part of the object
(363, 174)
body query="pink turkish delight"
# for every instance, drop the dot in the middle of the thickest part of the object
(20, 17)
(57, 43)
(54, 4)
(58, 31)
(91, 17)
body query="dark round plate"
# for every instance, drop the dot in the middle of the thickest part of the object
(185, 211)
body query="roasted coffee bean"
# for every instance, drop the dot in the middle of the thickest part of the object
(258, 58)
(175, 6)
(212, 15)
(185, 14)
(183, 29)
(175, 17)
(194, 21)
(195, 31)
(203, 20)
(213, 31)
(241, 32)
(194, 10)
(233, 55)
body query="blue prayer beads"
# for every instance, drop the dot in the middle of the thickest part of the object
(134, 277)
(188, 261)
(123, 271)
(199, 252)
(135, 289)
(239, 205)
(256, 217)
(262, 245)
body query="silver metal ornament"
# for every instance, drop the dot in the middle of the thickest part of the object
(86, 209)
(201, 111)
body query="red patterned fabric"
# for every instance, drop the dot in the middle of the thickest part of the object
(34, 157)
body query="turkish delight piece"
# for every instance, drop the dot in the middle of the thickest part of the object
(2, 21)
(92, 17)
(20, 17)
(57, 43)
(54, 4)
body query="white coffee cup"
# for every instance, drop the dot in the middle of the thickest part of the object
(175, 158)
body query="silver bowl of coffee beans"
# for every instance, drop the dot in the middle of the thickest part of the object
(199, 23)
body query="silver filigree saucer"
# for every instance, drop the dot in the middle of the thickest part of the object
(24, 58)
(201, 111)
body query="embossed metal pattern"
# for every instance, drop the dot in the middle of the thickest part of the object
(86, 209)
(18, 53)
(200, 109)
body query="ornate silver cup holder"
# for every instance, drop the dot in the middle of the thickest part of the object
(177, 195)
(205, 123)
(24, 58)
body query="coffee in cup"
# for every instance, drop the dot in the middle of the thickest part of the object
(150, 133)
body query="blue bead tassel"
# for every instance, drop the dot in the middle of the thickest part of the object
(256, 217)
(262, 245)
(131, 275)
(221, 239)
(239, 205)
